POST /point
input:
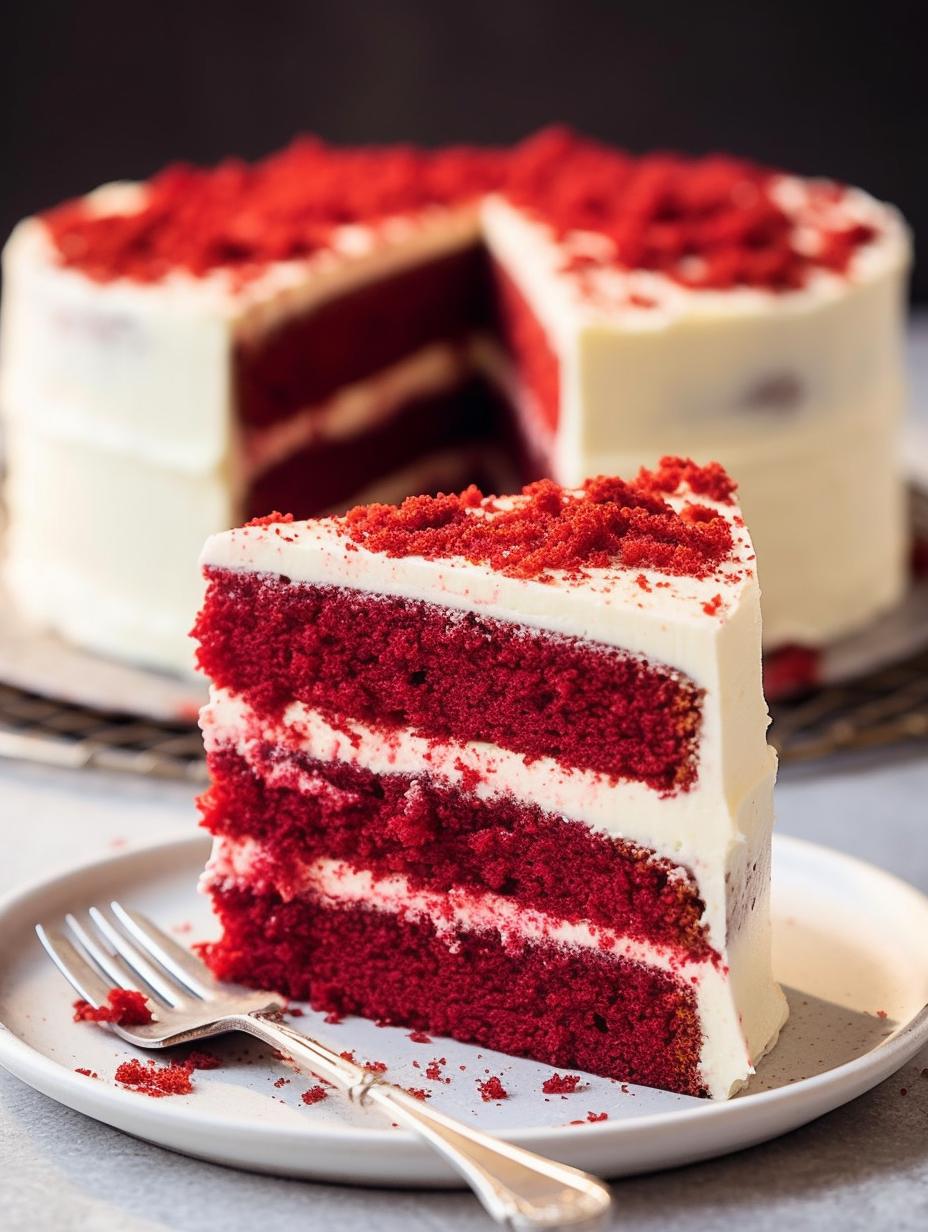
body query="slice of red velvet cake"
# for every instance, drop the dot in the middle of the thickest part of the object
(496, 768)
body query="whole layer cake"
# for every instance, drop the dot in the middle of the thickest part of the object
(496, 768)
(331, 326)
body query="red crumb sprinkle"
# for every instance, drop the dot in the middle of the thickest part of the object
(314, 1095)
(434, 1069)
(349, 1056)
(125, 1006)
(881, 1014)
(242, 217)
(270, 519)
(294, 1011)
(418, 1093)
(282, 1082)
(88, 1073)
(560, 1085)
(419, 1037)
(607, 522)
(492, 1089)
(376, 1067)
(713, 605)
(333, 1018)
(202, 1060)
(708, 222)
(593, 1117)
(153, 1080)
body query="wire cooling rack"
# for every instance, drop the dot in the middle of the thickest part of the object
(886, 707)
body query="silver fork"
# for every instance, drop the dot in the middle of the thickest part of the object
(119, 947)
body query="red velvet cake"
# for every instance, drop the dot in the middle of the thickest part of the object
(495, 768)
(329, 327)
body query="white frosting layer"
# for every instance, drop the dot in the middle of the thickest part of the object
(726, 1060)
(357, 407)
(798, 394)
(683, 828)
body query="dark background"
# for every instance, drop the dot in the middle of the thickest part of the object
(97, 91)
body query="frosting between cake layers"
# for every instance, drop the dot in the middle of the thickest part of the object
(692, 828)
(728, 1054)
(356, 407)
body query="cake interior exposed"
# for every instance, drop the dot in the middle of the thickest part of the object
(495, 768)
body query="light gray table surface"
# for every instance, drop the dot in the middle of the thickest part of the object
(863, 1167)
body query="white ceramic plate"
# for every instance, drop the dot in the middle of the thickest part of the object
(851, 948)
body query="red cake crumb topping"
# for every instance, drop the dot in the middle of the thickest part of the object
(560, 1085)
(156, 1081)
(707, 223)
(242, 218)
(492, 1088)
(418, 1093)
(125, 1007)
(314, 1095)
(420, 1037)
(88, 1073)
(270, 519)
(607, 522)
(711, 222)
(593, 1117)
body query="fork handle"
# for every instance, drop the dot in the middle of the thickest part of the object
(516, 1187)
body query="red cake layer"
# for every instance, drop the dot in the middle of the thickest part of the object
(448, 674)
(352, 336)
(439, 837)
(577, 1009)
(328, 473)
(524, 338)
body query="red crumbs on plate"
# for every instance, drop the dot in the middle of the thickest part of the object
(559, 1084)
(155, 1080)
(419, 1037)
(712, 606)
(434, 1070)
(597, 1116)
(202, 1060)
(88, 1073)
(418, 1093)
(314, 1095)
(125, 1006)
(492, 1089)
(607, 522)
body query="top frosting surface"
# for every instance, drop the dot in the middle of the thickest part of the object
(659, 522)
(554, 531)
(714, 222)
